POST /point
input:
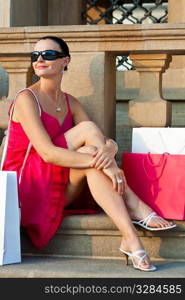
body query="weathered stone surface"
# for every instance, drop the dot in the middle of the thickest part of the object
(91, 78)
(149, 114)
(4, 107)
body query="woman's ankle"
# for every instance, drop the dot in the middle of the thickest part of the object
(131, 244)
(137, 209)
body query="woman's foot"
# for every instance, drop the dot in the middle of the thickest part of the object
(137, 254)
(142, 214)
(154, 222)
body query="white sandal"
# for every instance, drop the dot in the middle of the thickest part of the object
(140, 260)
(144, 223)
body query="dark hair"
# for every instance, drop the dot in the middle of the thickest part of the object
(61, 43)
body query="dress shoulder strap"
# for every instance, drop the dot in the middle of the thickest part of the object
(8, 132)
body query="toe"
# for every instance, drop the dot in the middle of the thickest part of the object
(146, 263)
(159, 222)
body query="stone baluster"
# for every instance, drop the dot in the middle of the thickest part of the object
(20, 75)
(149, 109)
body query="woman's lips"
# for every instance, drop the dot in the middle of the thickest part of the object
(41, 67)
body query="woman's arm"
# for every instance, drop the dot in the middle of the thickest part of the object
(27, 114)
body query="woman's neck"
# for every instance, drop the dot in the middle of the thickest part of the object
(51, 87)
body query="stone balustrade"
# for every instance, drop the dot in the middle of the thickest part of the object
(92, 74)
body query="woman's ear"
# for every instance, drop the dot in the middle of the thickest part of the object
(67, 60)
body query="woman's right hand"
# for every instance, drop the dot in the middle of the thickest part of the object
(116, 174)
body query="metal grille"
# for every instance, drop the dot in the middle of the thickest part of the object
(125, 12)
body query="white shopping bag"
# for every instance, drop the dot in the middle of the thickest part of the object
(158, 140)
(10, 248)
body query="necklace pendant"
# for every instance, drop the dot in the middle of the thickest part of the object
(58, 108)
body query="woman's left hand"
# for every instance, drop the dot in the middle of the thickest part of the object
(103, 158)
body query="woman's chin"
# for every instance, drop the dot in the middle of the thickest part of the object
(45, 74)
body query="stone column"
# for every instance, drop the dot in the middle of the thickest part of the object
(5, 7)
(15, 13)
(65, 12)
(175, 89)
(91, 79)
(149, 108)
(176, 11)
(20, 74)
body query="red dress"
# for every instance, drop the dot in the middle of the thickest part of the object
(42, 186)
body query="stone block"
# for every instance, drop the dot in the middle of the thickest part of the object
(91, 79)
(150, 114)
(4, 107)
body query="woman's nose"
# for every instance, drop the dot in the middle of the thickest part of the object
(40, 58)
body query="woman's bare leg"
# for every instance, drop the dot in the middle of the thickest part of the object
(87, 133)
(112, 203)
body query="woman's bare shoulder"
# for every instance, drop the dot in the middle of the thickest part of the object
(24, 102)
(78, 111)
(72, 98)
(29, 91)
(74, 102)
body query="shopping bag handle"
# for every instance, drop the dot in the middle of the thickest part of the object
(162, 162)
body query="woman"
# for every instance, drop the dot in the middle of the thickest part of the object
(68, 148)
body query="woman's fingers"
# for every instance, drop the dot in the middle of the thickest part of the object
(97, 160)
(101, 159)
(102, 162)
(114, 183)
(105, 164)
(121, 182)
(98, 153)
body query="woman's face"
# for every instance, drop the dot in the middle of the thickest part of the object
(49, 68)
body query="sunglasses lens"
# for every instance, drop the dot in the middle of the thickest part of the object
(34, 56)
(49, 55)
(46, 55)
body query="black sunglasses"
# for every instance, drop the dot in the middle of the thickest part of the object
(46, 55)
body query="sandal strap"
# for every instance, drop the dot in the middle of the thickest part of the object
(138, 252)
(140, 258)
(147, 220)
(152, 215)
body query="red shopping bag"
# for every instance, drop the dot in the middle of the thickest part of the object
(159, 180)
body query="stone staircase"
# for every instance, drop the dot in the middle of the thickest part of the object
(95, 236)
(86, 246)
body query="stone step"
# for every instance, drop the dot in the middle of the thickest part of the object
(72, 267)
(96, 236)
